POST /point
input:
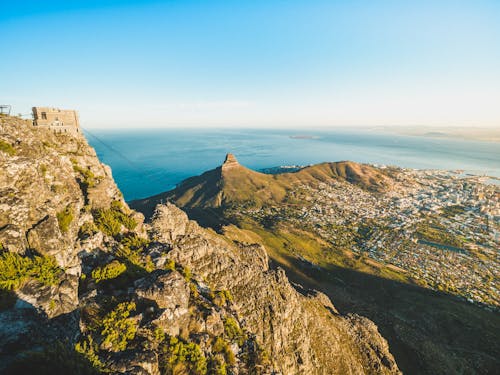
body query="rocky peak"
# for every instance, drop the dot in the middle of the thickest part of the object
(230, 162)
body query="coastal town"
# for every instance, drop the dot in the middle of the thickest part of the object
(440, 228)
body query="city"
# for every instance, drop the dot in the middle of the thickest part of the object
(440, 228)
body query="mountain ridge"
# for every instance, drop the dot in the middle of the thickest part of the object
(232, 181)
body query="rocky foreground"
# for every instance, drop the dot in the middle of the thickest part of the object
(87, 287)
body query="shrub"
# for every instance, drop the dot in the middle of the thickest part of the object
(110, 221)
(107, 223)
(127, 221)
(89, 349)
(132, 246)
(221, 346)
(233, 331)
(87, 229)
(186, 272)
(170, 265)
(15, 270)
(134, 242)
(186, 355)
(221, 297)
(64, 218)
(159, 335)
(109, 271)
(7, 148)
(88, 179)
(217, 366)
(117, 328)
(43, 169)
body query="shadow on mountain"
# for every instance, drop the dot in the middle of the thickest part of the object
(30, 343)
(428, 332)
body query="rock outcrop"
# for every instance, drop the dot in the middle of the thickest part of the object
(164, 297)
(301, 329)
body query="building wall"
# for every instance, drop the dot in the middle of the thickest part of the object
(58, 120)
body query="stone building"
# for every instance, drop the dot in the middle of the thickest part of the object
(58, 120)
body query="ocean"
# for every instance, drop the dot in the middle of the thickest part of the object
(148, 162)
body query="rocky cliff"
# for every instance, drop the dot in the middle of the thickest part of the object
(87, 287)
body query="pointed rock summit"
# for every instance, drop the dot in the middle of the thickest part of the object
(230, 162)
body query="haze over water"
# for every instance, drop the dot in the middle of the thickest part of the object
(145, 163)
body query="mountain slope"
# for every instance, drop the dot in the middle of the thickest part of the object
(233, 182)
(86, 287)
(429, 332)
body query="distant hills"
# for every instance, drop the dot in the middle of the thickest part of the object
(231, 182)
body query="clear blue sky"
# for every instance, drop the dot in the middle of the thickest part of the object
(255, 63)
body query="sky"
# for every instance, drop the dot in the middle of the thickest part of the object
(259, 63)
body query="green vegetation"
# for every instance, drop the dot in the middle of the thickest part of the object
(117, 328)
(452, 211)
(131, 252)
(221, 346)
(433, 231)
(181, 357)
(88, 348)
(15, 270)
(64, 218)
(159, 335)
(170, 265)
(88, 179)
(134, 242)
(87, 229)
(109, 271)
(217, 366)
(107, 222)
(7, 148)
(186, 272)
(233, 331)
(221, 297)
(110, 221)
(43, 169)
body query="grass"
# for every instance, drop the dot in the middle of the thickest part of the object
(433, 231)
(286, 242)
(15, 270)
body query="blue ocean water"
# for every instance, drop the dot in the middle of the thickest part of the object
(147, 162)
